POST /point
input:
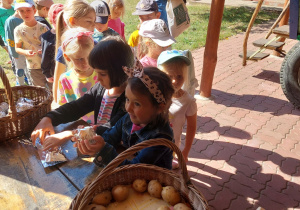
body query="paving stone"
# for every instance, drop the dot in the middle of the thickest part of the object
(241, 203)
(278, 197)
(248, 134)
(223, 199)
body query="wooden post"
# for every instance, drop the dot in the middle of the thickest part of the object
(284, 21)
(211, 47)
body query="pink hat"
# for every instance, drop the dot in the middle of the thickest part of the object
(53, 12)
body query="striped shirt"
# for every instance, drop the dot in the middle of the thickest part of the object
(106, 107)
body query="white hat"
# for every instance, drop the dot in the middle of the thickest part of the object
(23, 3)
(158, 31)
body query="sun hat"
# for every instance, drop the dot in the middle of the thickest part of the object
(23, 3)
(158, 31)
(53, 12)
(145, 7)
(44, 3)
(170, 54)
(102, 11)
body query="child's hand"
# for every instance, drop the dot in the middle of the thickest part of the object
(50, 79)
(86, 148)
(56, 140)
(42, 129)
(30, 53)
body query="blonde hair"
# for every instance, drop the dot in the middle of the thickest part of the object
(143, 47)
(76, 45)
(116, 4)
(73, 8)
(175, 65)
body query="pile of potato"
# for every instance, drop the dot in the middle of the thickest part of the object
(140, 195)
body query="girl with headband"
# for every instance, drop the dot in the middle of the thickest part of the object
(148, 98)
(106, 98)
(77, 43)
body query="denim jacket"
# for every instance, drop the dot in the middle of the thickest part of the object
(157, 155)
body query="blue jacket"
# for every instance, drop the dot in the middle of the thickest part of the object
(157, 155)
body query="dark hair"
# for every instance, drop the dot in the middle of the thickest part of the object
(164, 84)
(111, 54)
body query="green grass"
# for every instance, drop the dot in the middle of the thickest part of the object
(235, 20)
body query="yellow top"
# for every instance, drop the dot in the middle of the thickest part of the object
(134, 39)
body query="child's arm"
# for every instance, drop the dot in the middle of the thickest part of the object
(42, 129)
(190, 134)
(21, 51)
(59, 69)
(57, 139)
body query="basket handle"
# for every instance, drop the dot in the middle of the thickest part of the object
(12, 108)
(92, 187)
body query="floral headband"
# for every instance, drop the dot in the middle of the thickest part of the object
(78, 35)
(138, 72)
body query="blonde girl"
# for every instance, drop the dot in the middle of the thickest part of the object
(117, 10)
(76, 13)
(154, 38)
(183, 108)
(77, 43)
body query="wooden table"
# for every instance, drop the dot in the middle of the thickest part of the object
(26, 184)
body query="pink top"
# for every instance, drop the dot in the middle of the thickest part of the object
(118, 26)
(147, 61)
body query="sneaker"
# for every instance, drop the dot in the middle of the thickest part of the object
(175, 164)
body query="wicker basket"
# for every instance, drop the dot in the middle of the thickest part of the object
(19, 123)
(112, 175)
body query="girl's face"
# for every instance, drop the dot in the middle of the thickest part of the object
(177, 78)
(155, 49)
(140, 108)
(103, 78)
(116, 13)
(81, 62)
(87, 21)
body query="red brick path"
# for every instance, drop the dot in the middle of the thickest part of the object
(246, 153)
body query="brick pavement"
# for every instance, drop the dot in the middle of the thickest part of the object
(246, 153)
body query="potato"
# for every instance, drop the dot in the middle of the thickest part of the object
(95, 207)
(102, 198)
(170, 195)
(154, 188)
(164, 208)
(120, 193)
(139, 185)
(181, 206)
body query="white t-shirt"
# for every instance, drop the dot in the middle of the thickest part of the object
(31, 40)
(179, 110)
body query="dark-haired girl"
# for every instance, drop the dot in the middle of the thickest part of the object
(148, 98)
(106, 98)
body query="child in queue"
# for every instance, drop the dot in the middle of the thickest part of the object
(117, 9)
(42, 9)
(48, 44)
(148, 98)
(76, 13)
(77, 43)
(28, 41)
(102, 18)
(146, 10)
(155, 38)
(183, 108)
(19, 61)
(107, 96)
